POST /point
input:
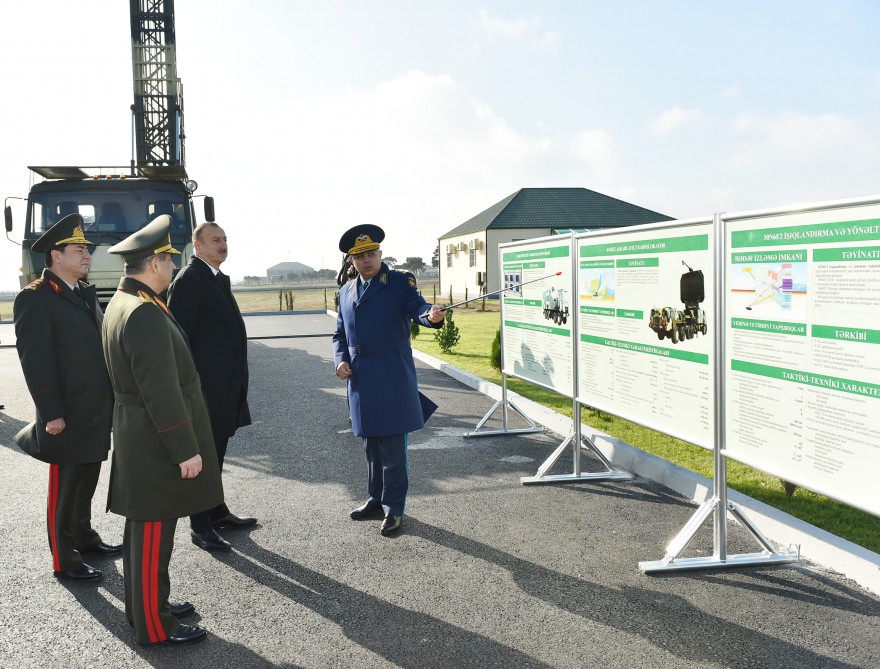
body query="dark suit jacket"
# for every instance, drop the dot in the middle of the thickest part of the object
(59, 344)
(204, 307)
(160, 418)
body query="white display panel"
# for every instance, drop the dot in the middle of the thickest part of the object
(645, 330)
(537, 317)
(803, 349)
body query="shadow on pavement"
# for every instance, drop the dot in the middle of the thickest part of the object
(667, 621)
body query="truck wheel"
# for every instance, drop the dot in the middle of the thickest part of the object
(690, 333)
(703, 328)
(660, 335)
(675, 335)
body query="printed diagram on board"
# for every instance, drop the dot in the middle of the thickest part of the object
(770, 288)
(679, 324)
(597, 284)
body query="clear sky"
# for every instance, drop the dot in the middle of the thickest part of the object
(305, 118)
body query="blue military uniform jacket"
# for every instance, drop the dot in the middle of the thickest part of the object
(373, 336)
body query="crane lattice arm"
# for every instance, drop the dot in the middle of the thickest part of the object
(158, 94)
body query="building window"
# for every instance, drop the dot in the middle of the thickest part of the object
(472, 255)
(449, 260)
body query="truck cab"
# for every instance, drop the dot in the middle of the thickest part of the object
(112, 206)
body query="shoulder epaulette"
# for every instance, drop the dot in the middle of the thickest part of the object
(145, 297)
(35, 284)
(410, 277)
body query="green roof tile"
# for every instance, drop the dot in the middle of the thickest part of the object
(558, 208)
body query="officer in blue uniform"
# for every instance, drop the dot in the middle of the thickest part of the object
(371, 349)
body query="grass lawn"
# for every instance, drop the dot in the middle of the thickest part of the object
(477, 330)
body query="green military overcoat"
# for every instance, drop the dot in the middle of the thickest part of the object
(160, 418)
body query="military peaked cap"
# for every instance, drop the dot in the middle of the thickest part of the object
(153, 238)
(69, 230)
(361, 238)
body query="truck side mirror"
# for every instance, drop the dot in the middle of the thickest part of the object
(209, 208)
(7, 215)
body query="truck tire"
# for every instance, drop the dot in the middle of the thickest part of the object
(675, 335)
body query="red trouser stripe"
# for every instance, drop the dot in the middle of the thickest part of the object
(150, 580)
(52, 515)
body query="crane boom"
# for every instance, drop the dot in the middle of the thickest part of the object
(158, 94)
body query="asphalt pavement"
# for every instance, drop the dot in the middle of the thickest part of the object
(486, 572)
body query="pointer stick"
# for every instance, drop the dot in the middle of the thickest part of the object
(495, 292)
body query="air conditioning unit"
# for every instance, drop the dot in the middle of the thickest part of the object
(472, 244)
(462, 246)
(450, 248)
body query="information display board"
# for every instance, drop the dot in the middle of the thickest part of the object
(802, 348)
(645, 302)
(537, 317)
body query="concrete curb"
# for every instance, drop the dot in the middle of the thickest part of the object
(826, 549)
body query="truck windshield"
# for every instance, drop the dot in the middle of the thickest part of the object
(109, 215)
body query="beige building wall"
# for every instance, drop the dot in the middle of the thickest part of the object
(456, 270)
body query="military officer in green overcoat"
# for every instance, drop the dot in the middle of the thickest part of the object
(58, 337)
(164, 461)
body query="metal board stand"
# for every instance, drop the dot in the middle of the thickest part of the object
(504, 403)
(577, 440)
(718, 505)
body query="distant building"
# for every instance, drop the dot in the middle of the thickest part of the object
(285, 270)
(469, 252)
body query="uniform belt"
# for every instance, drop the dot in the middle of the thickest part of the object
(127, 399)
(374, 349)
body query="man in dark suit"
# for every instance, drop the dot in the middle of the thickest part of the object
(164, 464)
(200, 298)
(371, 348)
(58, 337)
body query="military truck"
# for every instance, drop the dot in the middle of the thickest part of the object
(115, 201)
(678, 324)
(555, 305)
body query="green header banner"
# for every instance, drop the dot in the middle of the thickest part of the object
(512, 300)
(598, 311)
(820, 233)
(675, 354)
(773, 327)
(641, 262)
(534, 265)
(532, 303)
(669, 245)
(630, 313)
(851, 254)
(538, 328)
(532, 254)
(597, 264)
(808, 378)
(858, 335)
(768, 256)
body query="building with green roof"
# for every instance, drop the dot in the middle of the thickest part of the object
(469, 252)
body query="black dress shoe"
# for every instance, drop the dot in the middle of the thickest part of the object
(188, 634)
(365, 510)
(391, 524)
(82, 573)
(104, 549)
(231, 520)
(210, 541)
(181, 610)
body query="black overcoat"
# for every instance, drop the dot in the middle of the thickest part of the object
(204, 307)
(58, 339)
